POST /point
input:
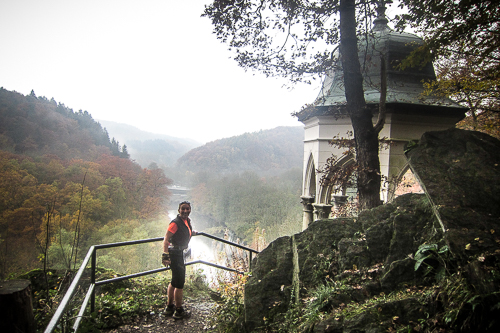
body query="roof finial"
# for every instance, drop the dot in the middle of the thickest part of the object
(380, 23)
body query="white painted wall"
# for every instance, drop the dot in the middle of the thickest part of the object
(400, 128)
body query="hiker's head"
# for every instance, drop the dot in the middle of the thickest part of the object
(184, 209)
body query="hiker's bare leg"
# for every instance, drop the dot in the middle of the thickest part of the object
(178, 297)
(170, 294)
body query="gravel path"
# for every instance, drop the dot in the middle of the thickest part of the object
(198, 322)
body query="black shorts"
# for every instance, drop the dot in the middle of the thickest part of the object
(178, 268)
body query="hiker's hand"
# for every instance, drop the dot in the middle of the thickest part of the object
(165, 259)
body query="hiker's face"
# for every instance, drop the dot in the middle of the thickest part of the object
(184, 210)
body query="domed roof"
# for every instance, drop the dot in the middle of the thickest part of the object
(403, 86)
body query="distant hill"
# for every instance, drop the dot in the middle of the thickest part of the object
(37, 126)
(146, 148)
(266, 151)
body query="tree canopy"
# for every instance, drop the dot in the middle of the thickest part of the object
(463, 38)
(294, 39)
(470, 27)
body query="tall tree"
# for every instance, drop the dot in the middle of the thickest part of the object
(365, 135)
(298, 40)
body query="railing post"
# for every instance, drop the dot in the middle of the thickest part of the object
(92, 280)
(250, 262)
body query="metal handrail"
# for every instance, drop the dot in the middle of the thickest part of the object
(92, 257)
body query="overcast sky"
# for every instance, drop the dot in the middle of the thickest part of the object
(153, 64)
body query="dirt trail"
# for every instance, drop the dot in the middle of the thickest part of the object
(198, 322)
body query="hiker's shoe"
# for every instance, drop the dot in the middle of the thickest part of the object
(169, 310)
(180, 313)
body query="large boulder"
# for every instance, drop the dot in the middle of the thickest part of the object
(407, 247)
(460, 173)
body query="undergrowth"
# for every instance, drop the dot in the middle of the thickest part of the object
(229, 313)
(449, 299)
(116, 303)
(323, 304)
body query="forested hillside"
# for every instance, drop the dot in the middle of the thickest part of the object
(65, 186)
(268, 151)
(36, 125)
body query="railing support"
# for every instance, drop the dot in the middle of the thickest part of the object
(250, 261)
(92, 281)
(90, 294)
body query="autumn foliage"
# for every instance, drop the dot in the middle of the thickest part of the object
(62, 180)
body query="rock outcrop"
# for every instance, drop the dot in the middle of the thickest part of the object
(423, 262)
(460, 173)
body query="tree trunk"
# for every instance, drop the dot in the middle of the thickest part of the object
(16, 310)
(365, 136)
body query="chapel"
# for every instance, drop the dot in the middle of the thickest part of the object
(409, 113)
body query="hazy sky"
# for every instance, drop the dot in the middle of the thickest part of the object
(153, 64)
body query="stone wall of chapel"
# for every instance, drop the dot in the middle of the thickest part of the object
(399, 128)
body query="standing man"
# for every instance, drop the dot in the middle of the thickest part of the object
(176, 240)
